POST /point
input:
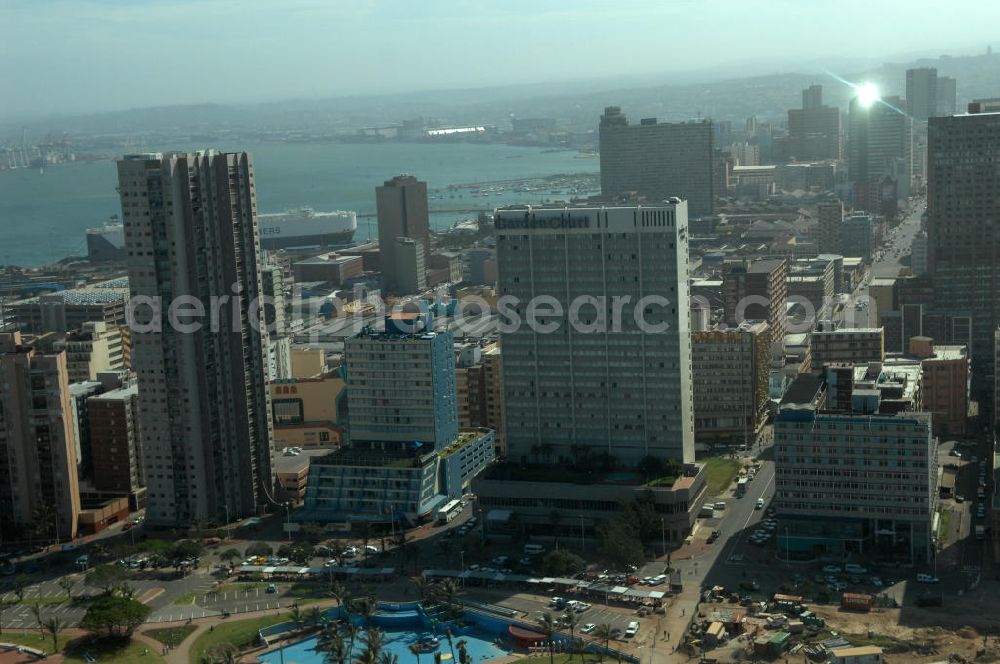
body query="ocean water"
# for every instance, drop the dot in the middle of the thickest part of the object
(44, 216)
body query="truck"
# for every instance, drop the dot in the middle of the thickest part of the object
(706, 512)
(980, 533)
(741, 487)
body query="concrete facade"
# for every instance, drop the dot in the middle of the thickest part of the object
(401, 204)
(852, 346)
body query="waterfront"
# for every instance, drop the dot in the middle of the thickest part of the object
(44, 216)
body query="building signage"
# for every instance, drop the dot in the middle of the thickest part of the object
(517, 223)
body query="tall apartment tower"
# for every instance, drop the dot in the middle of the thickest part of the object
(947, 96)
(191, 232)
(814, 131)
(963, 239)
(879, 153)
(38, 465)
(401, 384)
(921, 93)
(757, 290)
(657, 160)
(608, 383)
(831, 220)
(401, 204)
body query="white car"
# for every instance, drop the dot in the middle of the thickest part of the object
(832, 569)
(632, 629)
(588, 628)
(760, 504)
(852, 568)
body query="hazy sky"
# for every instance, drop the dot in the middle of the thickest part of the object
(59, 56)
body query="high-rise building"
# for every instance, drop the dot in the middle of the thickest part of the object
(401, 384)
(577, 378)
(756, 290)
(493, 376)
(657, 160)
(846, 345)
(879, 153)
(39, 494)
(470, 385)
(814, 131)
(945, 384)
(962, 236)
(115, 443)
(812, 97)
(921, 93)
(918, 254)
(858, 236)
(947, 96)
(191, 233)
(830, 216)
(95, 348)
(730, 370)
(408, 270)
(401, 205)
(855, 482)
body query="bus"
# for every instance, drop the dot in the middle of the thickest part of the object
(741, 487)
(450, 510)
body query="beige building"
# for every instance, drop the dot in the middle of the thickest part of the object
(757, 290)
(37, 455)
(306, 411)
(730, 370)
(945, 378)
(94, 348)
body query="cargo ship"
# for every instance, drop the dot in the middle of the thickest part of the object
(303, 227)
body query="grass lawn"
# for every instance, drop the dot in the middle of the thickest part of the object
(110, 652)
(240, 633)
(32, 639)
(186, 598)
(943, 527)
(171, 636)
(563, 658)
(721, 473)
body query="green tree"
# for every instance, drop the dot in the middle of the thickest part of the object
(571, 620)
(365, 607)
(296, 616)
(259, 549)
(463, 652)
(113, 616)
(312, 532)
(21, 587)
(229, 555)
(53, 625)
(619, 544)
(604, 632)
(224, 653)
(451, 644)
(549, 627)
(36, 611)
(561, 563)
(373, 641)
(332, 645)
(187, 549)
(67, 584)
(43, 522)
(107, 577)
(314, 616)
(388, 658)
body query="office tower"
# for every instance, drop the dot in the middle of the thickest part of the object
(831, 220)
(879, 154)
(657, 160)
(855, 482)
(621, 388)
(812, 97)
(730, 370)
(115, 444)
(947, 96)
(401, 384)
(191, 232)
(401, 204)
(408, 269)
(39, 494)
(96, 348)
(921, 93)
(493, 376)
(858, 236)
(962, 234)
(918, 254)
(814, 131)
(756, 290)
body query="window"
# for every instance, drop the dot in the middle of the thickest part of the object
(287, 411)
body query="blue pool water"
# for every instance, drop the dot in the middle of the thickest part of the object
(480, 647)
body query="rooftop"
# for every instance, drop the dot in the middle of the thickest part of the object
(374, 458)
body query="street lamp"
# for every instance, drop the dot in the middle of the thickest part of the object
(288, 520)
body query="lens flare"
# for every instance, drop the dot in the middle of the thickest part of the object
(867, 94)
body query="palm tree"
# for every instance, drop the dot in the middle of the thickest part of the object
(571, 620)
(295, 613)
(449, 592)
(314, 616)
(332, 644)
(373, 640)
(36, 610)
(224, 653)
(388, 658)
(351, 632)
(604, 632)
(337, 591)
(463, 652)
(67, 584)
(415, 649)
(423, 587)
(365, 607)
(451, 645)
(52, 626)
(549, 625)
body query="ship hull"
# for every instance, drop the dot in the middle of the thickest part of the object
(322, 240)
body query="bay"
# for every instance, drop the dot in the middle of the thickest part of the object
(44, 216)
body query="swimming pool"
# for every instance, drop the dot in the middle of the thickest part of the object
(480, 647)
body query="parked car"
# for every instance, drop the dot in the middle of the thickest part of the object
(588, 628)
(832, 569)
(760, 504)
(927, 578)
(632, 629)
(852, 568)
